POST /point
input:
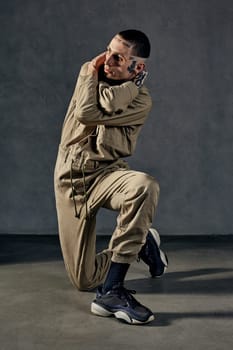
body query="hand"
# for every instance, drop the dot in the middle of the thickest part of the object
(96, 63)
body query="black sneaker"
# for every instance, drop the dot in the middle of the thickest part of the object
(120, 303)
(152, 255)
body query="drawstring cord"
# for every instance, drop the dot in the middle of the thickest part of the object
(85, 189)
(73, 190)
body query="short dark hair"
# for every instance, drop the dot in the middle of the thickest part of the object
(139, 40)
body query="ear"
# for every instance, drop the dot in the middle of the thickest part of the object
(140, 67)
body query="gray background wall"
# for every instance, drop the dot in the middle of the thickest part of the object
(187, 141)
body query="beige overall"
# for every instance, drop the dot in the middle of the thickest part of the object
(101, 126)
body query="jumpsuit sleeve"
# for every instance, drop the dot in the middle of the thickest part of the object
(127, 105)
(116, 98)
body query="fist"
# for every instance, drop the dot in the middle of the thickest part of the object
(98, 61)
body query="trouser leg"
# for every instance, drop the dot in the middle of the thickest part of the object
(85, 268)
(135, 196)
(131, 193)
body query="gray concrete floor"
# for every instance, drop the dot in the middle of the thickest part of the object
(193, 302)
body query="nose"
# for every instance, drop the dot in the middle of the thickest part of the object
(109, 61)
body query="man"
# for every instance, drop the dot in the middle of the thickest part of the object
(106, 113)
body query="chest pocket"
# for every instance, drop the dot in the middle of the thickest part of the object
(119, 141)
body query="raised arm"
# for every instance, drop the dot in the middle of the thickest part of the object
(121, 105)
(116, 99)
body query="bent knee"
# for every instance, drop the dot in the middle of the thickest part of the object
(148, 187)
(154, 187)
(147, 182)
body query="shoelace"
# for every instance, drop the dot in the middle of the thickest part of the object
(127, 294)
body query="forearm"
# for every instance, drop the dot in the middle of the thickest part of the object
(88, 112)
(115, 99)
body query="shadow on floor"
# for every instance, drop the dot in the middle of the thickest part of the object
(164, 319)
(200, 281)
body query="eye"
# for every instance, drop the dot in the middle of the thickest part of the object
(118, 58)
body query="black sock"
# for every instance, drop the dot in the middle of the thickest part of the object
(116, 275)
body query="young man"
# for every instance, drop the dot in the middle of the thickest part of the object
(107, 111)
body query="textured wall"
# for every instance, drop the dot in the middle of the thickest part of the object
(187, 141)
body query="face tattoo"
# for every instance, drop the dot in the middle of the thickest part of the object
(132, 66)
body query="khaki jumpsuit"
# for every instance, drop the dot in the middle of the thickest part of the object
(100, 128)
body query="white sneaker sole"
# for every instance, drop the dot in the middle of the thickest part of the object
(156, 236)
(163, 257)
(120, 315)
